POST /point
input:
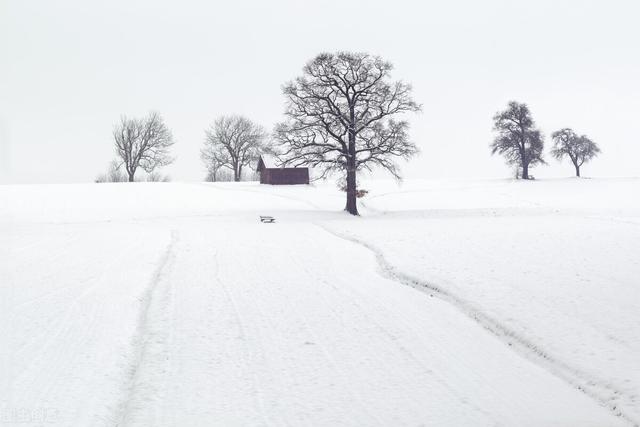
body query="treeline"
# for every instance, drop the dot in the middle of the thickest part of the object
(522, 143)
(343, 115)
(232, 144)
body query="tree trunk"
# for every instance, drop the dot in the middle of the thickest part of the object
(352, 184)
(352, 206)
(131, 174)
(577, 170)
(236, 174)
(525, 171)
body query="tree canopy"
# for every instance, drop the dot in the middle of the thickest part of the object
(232, 142)
(578, 148)
(518, 140)
(143, 143)
(340, 116)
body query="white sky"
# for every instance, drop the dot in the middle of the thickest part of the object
(70, 68)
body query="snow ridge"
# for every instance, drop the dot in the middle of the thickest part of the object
(149, 340)
(601, 391)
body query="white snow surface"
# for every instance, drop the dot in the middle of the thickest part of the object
(446, 303)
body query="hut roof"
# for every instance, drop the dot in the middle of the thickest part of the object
(269, 161)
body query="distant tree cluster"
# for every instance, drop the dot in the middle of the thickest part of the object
(522, 143)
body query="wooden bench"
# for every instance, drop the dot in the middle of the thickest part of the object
(267, 219)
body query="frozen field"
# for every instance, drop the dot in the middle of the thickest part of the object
(486, 303)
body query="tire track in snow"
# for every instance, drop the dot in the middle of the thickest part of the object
(60, 329)
(325, 351)
(244, 356)
(146, 343)
(599, 390)
(404, 351)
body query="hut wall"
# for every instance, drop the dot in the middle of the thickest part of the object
(284, 176)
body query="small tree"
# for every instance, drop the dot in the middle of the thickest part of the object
(210, 159)
(518, 140)
(114, 174)
(340, 118)
(579, 149)
(232, 142)
(143, 143)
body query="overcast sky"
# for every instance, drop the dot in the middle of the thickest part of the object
(70, 68)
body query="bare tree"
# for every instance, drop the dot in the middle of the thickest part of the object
(232, 142)
(518, 140)
(339, 118)
(143, 143)
(579, 149)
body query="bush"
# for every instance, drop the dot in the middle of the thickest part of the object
(158, 177)
(359, 193)
(114, 174)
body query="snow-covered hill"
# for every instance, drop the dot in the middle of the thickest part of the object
(446, 303)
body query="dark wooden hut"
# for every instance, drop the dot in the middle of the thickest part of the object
(274, 175)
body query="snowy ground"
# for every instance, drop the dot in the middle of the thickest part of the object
(481, 303)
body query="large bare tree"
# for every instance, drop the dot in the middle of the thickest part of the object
(518, 140)
(143, 143)
(339, 117)
(232, 142)
(579, 148)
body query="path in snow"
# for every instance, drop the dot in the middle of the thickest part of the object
(599, 389)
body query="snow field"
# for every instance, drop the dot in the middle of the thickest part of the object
(170, 304)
